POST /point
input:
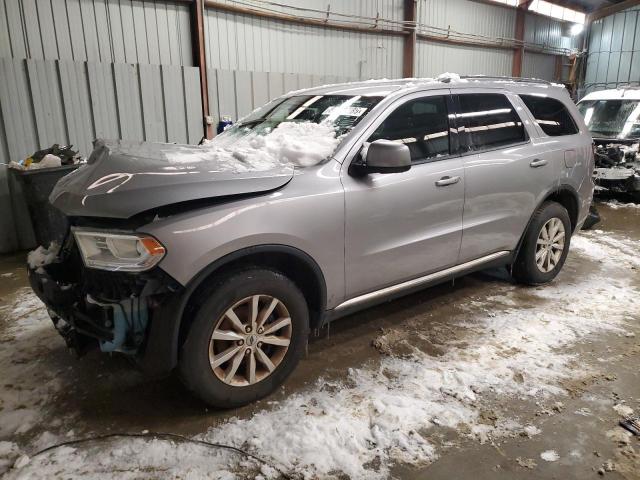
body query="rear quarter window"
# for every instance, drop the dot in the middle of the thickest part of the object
(551, 115)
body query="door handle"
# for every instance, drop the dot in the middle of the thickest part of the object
(538, 163)
(444, 181)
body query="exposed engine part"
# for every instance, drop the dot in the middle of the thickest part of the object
(128, 320)
(617, 166)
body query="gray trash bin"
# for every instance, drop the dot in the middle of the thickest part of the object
(49, 223)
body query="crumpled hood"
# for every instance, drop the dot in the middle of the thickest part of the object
(123, 178)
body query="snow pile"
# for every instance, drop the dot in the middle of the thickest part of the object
(303, 144)
(41, 256)
(550, 456)
(450, 78)
(291, 143)
(616, 204)
(381, 414)
(607, 248)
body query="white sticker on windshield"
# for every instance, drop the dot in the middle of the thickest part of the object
(345, 111)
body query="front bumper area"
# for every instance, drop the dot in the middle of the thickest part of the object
(619, 180)
(113, 311)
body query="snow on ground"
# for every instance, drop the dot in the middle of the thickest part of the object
(26, 383)
(616, 204)
(550, 456)
(381, 414)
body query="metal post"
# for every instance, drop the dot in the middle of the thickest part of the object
(410, 39)
(518, 53)
(198, 45)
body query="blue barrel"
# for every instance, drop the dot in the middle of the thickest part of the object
(223, 125)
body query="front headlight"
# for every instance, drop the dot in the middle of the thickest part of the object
(116, 251)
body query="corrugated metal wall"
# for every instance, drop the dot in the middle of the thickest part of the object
(55, 101)
(539, 65)
(433, 58)
(242, 42)
(549, 32)
(614, 52)
(469, 17)
(125, 31)
(489, 21)
(75, 70)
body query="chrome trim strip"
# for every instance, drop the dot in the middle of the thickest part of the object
(421, 280)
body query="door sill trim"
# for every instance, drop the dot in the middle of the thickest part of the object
(416, 282)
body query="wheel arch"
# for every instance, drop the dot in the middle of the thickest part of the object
(292, 262)
(566, 196)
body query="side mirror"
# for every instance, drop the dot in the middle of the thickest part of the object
(385, 156)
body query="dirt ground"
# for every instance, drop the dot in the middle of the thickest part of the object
(565, 426)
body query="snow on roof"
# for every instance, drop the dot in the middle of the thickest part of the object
(614, 94)
(385, 86)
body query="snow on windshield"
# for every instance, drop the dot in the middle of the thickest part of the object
(294, 144)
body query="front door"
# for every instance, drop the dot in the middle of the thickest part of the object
(401, 226)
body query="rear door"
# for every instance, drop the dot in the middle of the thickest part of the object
(506, 171)
(404, 225)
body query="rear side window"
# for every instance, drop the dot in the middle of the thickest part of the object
(551, 115)
(421, 124)
(489, 120)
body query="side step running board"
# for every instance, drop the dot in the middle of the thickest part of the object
(416, 282)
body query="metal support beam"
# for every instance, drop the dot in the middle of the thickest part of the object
(557, 74)
(410, 40)
(198, 45)
(518, 53)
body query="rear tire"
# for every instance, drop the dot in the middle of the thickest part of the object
(545, 245)
(227, 323)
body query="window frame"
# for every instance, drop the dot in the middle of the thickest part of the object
(465, 137)
(455, 151)
(576, 126)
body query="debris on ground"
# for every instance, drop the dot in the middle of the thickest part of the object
(529, 463)
(623, 410)
(621, 437)
(632, 425)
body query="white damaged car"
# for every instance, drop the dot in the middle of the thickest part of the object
(613, 118)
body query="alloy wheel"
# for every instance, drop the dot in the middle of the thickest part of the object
(550, 245)
(250, 340)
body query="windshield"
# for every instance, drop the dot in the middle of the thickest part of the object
(612, 118)
(340, 112)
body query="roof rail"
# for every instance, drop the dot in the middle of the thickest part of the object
(506, 79)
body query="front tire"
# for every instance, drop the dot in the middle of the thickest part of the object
(545, 245)
(246, 338)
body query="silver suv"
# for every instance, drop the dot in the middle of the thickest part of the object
(218, 260)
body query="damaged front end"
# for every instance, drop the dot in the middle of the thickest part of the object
(617, 166)
(93, 308)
